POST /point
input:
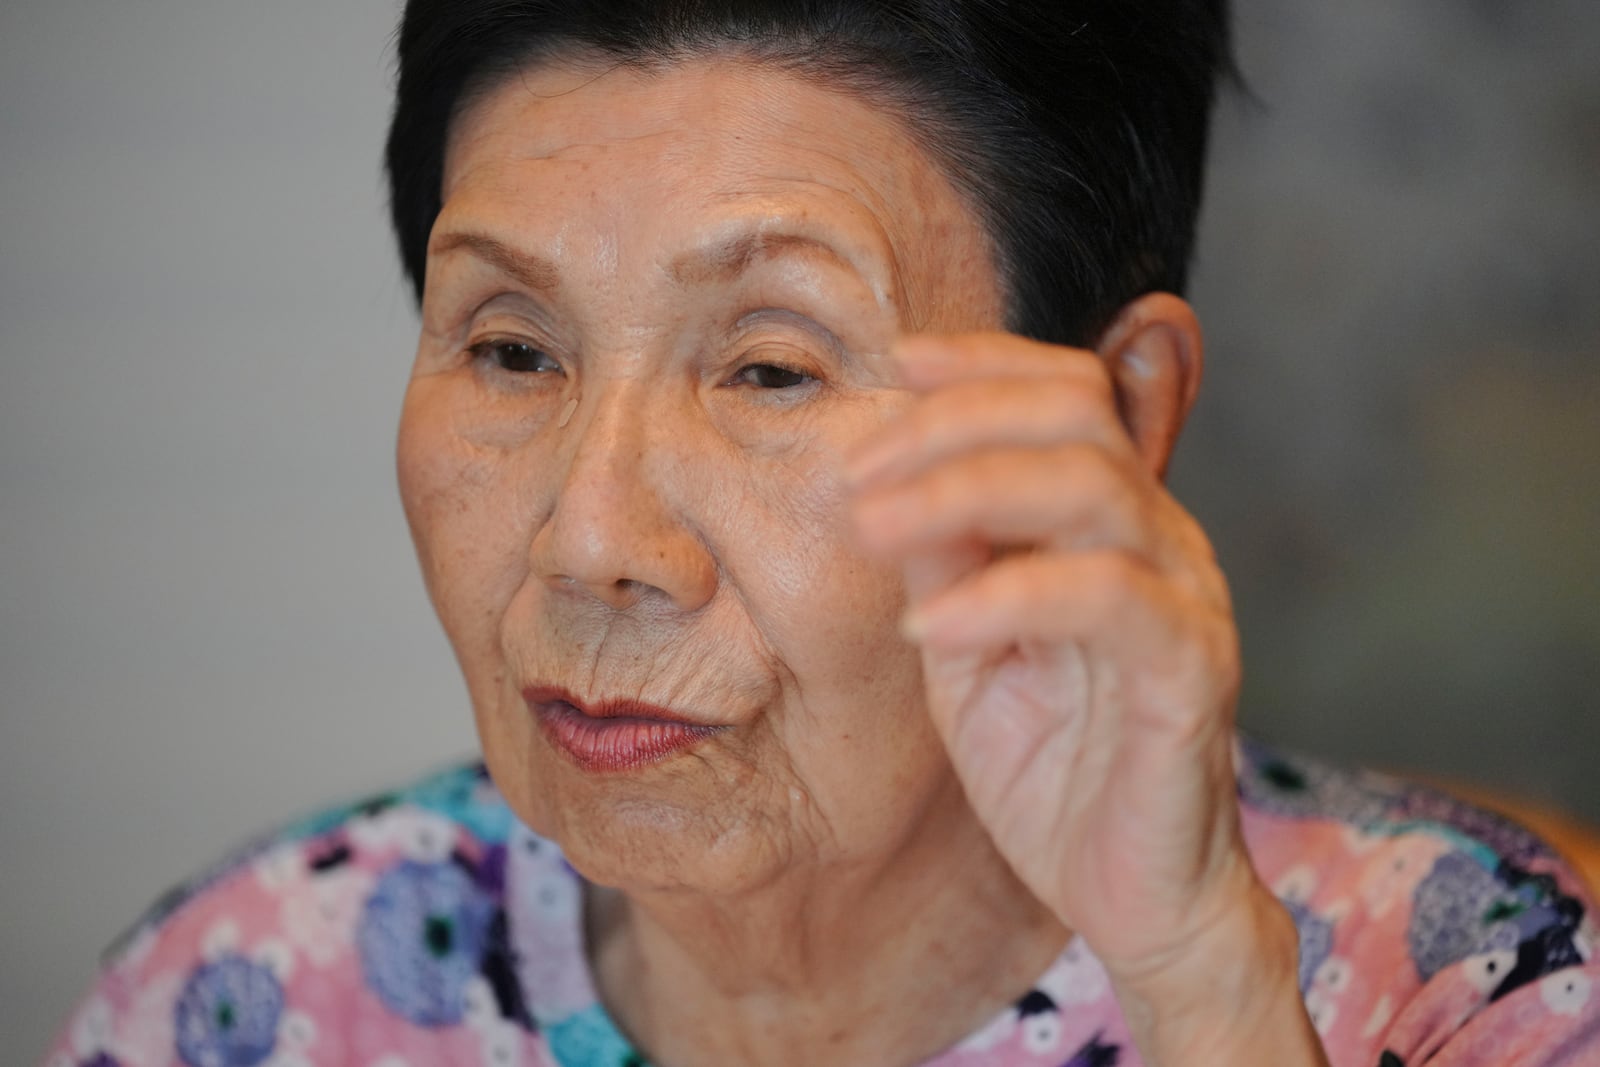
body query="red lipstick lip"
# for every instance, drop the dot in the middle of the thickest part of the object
(612, 735)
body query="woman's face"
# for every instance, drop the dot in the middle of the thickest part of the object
(655, 308)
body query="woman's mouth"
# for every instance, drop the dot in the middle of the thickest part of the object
(613, 735)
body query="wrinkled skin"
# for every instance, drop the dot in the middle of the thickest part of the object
(666, 439)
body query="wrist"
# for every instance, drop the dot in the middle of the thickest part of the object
(1230, 994)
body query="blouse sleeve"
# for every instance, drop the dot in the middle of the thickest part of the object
(370, 936)
(98, 1032)
(1552, 1021)
(199, 981)
(1431, 932)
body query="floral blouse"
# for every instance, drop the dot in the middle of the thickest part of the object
(428, 927)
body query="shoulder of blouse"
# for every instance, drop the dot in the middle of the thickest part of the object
(455, 804)
(1422, 918)
(377, 921)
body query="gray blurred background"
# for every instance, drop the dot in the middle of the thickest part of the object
(209, 614)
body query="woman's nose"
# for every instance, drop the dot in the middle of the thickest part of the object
(621, 527)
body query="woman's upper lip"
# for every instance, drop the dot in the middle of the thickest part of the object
(607, 707)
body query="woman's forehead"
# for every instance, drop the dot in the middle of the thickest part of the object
(716, 119)
(706, 154)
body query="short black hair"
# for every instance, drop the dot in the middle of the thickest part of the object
(1075, 128)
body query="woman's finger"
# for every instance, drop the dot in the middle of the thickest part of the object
(1112, 603)
(1027, 412)
(931, 361)
(1074, 497)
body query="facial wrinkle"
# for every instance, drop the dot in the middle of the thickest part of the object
(886, 284)
(830, 784)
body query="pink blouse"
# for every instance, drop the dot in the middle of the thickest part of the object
(428, 927)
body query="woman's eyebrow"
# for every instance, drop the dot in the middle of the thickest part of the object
(533, 271)
(725, 260)
(719, 262)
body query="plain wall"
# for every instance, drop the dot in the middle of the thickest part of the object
(210, 618)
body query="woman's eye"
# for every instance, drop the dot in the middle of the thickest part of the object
(518, 357)
(772, 376)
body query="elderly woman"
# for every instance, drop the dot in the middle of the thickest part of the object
(784, 454)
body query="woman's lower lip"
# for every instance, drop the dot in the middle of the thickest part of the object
(614, 744)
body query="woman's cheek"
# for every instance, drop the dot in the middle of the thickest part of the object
(855, 733)
(835, 606)
(457, 492)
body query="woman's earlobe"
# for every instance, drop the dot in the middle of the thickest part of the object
(1155, 355)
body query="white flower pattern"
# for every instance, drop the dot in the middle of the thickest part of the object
(295, 907)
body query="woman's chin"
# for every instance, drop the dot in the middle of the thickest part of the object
(668, 824)
(645, 847)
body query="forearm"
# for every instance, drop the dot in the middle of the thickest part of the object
(1232, 998)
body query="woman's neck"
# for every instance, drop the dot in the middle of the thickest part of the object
(849, 965)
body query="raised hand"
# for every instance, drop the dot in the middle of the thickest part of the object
(1079, 649)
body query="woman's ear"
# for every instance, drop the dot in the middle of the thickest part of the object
(1155, 355)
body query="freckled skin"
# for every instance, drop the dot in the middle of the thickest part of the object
(653, 449)
(684, 541)
(719, 508)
